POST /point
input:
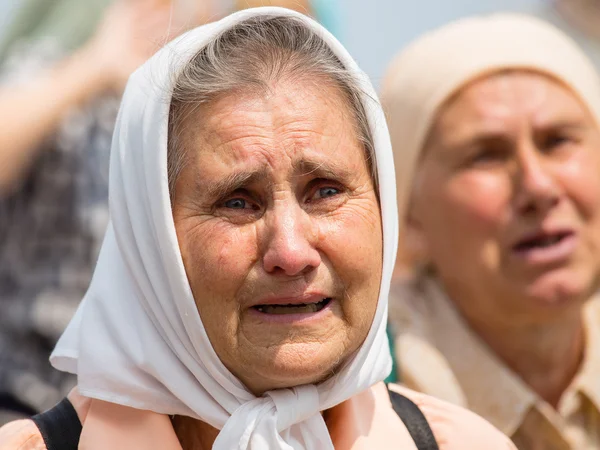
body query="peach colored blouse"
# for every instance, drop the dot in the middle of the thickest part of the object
(366, 421)
(438, 354)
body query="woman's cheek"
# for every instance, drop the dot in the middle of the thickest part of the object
(220, 251)
(234, 250)
(479, 199)
(358, 215)
(352, 239)
(579, 178)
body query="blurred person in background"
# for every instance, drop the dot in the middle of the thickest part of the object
(58, 110)
(495, 126)
(67, 24)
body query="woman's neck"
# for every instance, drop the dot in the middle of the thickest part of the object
(546, 356)
(583, 14)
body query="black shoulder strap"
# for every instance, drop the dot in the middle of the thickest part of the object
(60, 427)
(415, 421)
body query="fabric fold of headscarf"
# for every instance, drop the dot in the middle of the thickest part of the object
(137, 338)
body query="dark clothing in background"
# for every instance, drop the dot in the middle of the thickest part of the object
(51, 228)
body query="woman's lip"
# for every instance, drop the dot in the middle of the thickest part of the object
(290, 319)
(555, 253)
(542, 233)
(292, 300)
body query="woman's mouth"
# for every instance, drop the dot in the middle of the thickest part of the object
(304, 310)
(300, 308)
(546, 248)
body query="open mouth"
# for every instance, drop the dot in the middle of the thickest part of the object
(300, 308)
(542, 241)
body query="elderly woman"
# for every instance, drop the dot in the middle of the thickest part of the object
(240, 297)
(495, 129)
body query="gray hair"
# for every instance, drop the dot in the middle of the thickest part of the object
(250, 56)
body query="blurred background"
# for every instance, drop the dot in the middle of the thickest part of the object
(63, 65)
(373, 30)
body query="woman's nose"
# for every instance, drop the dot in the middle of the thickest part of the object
(537, 190)
(290, 243)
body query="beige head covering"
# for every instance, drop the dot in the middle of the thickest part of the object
(432, 68)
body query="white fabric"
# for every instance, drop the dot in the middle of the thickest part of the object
(137, 338)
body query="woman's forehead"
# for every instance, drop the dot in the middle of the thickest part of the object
(493, 103)
(283, 103)
(286, 123)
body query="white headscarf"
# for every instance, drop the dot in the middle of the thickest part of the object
(137, 338)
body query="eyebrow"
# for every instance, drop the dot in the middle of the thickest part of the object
(321, 169)
(483, 135)
(239, 180)
(231, 183)
(566, 124)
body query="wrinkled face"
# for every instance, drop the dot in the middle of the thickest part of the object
(280, 233)
(507, 199)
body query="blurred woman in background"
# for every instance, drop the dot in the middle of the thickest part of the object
(495, 125)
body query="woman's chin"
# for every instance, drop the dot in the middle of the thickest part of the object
(293, 364)
(561, 290)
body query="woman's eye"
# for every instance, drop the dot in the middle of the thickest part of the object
(240, 209)
(324, 192)
(555, 141)
(328, 192)
(237, 203)
(487, 156)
